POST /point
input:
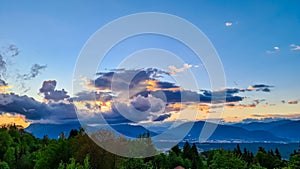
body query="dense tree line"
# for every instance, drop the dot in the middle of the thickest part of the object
(19, 149)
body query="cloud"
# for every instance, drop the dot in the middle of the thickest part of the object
(12, 50)
(140, 109)
(9, 73)
(123, 113)
(5, 58)
(141, 103)
(295, 47)
(34, 71)
(275, 50)
(2, 65)
(191, 96)
(272, 117)
(240, 106)
(260, 87)
(141, 96)
(293, 102)
(175, 70)
(154, 85)
(162, 117)
(3, 83)
(34, 110)
(48, 89)
(228, 24)
(9, 119)
(124, 79)
(144, 83)
(92, 96)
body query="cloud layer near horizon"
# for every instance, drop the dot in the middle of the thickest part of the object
(123, 96)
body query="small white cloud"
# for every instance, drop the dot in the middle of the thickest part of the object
(275, 50)
(175, 70)
(228, 24)
(295, 47)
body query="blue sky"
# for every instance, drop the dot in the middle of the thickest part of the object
(254, 46)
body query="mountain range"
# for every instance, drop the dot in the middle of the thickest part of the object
(275, 131)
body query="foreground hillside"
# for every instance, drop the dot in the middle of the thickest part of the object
(19, 149)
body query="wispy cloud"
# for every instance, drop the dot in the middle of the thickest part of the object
(175, 70)
(295, 47)
(295, 116)
(275, 50)
(228, 24)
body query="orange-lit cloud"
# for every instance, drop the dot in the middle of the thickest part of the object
(8, 119)
(175, 106)
(293, 102)
(152, 85)
(204, 108)
(289, 116)
(4, 89)
(94, 106)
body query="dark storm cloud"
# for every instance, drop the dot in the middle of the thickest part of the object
(23, 105)
(165, 85)
(125, 78)
(191, 96)
(162, 117)
(149, 98)
(141, 103)
(34, 110)
(140, 109)
(48, 86)
(48, 89)
(115, 116)
(228, 91)
(136, 79)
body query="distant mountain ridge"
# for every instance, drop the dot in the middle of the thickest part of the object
(276, 131)
(232, 133)
(288, 129)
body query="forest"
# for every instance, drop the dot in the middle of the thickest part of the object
(21, 150)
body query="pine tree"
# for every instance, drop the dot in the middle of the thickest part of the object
(277, 154)
(187, 150)
(176, 150)
(237, 151)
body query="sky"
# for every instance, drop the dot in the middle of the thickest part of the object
(257, 42)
